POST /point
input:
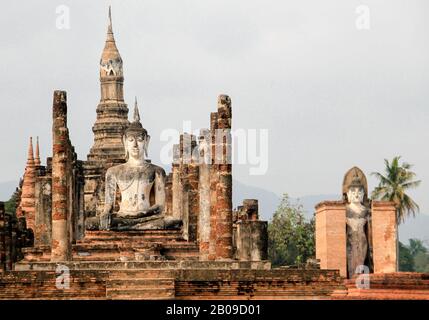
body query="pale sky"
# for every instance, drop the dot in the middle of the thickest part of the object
(331, 96)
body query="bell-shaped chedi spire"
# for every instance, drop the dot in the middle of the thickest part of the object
(108, 134)
(111, 61)
(37, 155)
(26, 206)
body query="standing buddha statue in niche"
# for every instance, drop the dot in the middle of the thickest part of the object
(141, 184)
(358, 220)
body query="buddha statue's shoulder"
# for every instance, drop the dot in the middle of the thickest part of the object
(158, 170)
(115, 170)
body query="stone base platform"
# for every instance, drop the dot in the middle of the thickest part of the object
(168, 280)
(124, 246)
(229, 280)
(388, 286)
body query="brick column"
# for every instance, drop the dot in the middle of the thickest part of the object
(204, 192)
(185, 159)
(331, 238)
(384, 233)
(43, 192)
(61, 246)
(176, 188)
(2, 237)
(214, 176)
(193, 179)
(168, 194)
(224, 239)
(251, 235)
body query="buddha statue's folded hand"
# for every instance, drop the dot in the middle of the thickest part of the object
(154, 210)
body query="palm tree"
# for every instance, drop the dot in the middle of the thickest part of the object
(393, 186)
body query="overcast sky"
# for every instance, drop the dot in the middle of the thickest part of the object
(331, 95)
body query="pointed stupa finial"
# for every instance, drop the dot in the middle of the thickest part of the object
(37, 156)
(136, 111)
(110, 20)
(111, 61)
(30, 157)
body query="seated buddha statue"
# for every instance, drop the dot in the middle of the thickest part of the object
(141, 185)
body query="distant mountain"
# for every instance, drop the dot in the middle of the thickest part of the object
(417, 227)
(268, 201)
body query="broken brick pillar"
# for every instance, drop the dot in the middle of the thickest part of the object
(251, 235)
(384, 236)
(184, 156)
(331, 238)
(213, 184)
(250, 208)
(2, 237)
(204, 193)
(61, 244)
(188, 185)
(43, 217)
(176, 188)
(168, 194)
(193, 181)
(224, 237)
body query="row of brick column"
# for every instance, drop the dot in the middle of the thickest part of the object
(202, 185)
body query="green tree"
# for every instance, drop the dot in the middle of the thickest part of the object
(421, 262)
(290, 236)
(420, 255)
(10, 205)
(416, 246)
(406, 260)
(393, 186)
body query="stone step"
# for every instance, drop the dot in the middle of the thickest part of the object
(199, 267)
(157, 283)
(149, 274)
(140, 294)
(108, 251)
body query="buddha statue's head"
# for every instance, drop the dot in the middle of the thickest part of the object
(355, 187)
(136, 138)
(356, 193)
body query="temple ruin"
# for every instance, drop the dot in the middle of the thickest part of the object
(109, 219)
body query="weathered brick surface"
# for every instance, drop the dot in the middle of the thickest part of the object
(384, 233)
(331, 235)
(167, 281)
(389, 286)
